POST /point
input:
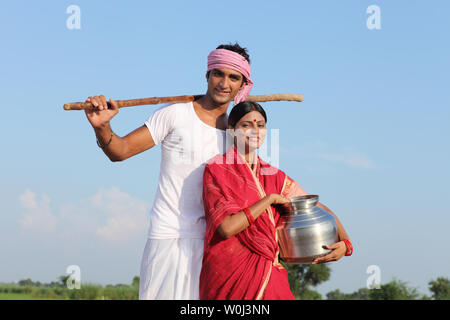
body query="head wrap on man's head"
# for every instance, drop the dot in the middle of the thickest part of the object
(223, 58)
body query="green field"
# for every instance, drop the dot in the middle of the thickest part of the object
(27, 289)
(59, 292)
(19, 296)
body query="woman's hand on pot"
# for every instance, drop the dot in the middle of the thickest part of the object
(278, 199)
(338, 251)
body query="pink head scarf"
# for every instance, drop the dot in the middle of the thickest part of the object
(222, 58)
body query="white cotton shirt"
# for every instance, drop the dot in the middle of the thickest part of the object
(187, 143)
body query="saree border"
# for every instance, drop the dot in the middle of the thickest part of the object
(262, 194)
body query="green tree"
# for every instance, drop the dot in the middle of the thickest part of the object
(440, 288)
(63, 280)
(394, 290)
(361, 294)
(338, 295)
(135, 282)
(27, 283)
(303, 276)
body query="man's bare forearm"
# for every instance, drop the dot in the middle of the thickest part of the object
(116, 148)
(112, 145)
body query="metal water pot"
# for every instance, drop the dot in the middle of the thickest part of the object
(306, 228)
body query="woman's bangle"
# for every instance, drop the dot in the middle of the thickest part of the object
(249, 216)
(105, 146)
(349, 246)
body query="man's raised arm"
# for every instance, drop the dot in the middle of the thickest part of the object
(115, 147)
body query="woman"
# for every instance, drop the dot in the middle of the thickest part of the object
(240, 194)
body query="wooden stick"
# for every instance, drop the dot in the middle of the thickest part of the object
(176, 99)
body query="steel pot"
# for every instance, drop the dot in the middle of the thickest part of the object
(305, 229)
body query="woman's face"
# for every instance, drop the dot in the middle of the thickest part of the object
(250, 131)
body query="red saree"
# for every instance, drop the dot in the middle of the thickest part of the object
(245, 266)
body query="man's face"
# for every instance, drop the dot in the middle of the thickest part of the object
(224, 84)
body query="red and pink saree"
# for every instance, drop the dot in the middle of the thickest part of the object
(245, 266)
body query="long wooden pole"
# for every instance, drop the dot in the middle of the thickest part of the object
(176, 99)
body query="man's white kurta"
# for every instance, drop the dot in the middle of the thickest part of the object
(172, 258)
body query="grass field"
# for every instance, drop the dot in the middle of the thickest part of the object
(86, 292)
(19, 296)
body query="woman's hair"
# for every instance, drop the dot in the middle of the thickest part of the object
(241, 109)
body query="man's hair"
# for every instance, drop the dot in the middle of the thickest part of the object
(236, 48)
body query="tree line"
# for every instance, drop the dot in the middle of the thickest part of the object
(302, 280)
(60, 290)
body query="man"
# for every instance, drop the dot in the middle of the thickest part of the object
(190, 134)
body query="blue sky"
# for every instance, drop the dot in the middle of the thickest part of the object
(371, 137)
